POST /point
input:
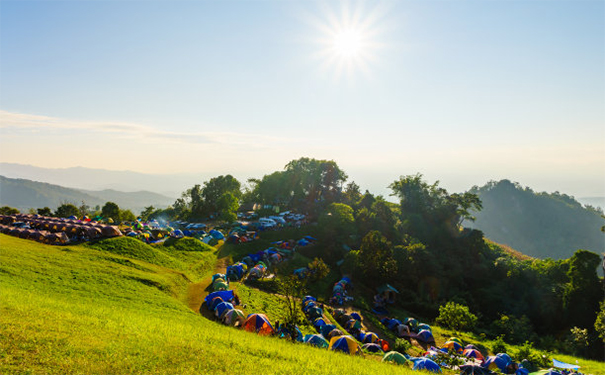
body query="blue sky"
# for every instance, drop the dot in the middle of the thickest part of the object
(461, 91)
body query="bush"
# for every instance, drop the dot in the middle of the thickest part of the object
(455, 316)
(499, 345)
(516, 330)
(528, 353)
(402, 345)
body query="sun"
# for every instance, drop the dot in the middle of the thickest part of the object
(348, 43)
(348, 38)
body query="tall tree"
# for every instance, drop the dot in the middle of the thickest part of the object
(376, 262)
(67, 210)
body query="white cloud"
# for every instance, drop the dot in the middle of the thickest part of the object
(11, 121)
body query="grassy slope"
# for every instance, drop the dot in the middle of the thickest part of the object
(77, 309)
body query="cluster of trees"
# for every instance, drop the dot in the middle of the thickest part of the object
(517, 216)
(419, 246)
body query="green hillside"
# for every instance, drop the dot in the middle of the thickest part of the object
(25, 194)
(540, 225)
(75, 309)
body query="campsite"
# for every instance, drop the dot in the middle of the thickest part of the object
(305, 187)
(205, 296)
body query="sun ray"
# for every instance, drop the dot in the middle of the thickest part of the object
(349, 38)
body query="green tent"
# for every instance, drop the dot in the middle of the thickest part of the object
(394, 357)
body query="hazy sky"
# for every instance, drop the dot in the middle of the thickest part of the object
(461, 91)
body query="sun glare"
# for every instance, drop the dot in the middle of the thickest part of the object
(348, 43)
(348, 38)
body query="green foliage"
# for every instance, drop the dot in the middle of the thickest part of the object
(111, 211)
(584, 290)
(6, 210)
(599, 324)
(67, 210)
(527, 353)
(515, 330)
(428, 212)
(293, 289)
(305, 185)
(457, 317)
(402, 345)
(146, 213)
(499, 346)
(318, 270)
(537, 224)
(44, 211)
(375, 259)
(227, 205)
(127, 215)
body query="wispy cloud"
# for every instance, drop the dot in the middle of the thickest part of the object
(12, 121)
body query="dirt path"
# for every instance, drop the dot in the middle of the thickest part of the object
(197, 291)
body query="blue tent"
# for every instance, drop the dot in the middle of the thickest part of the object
(217, 235)
(356, 316)
(319, 322)
(316, 340)
(226, 295)
(326, 329)
(426, 364)
(222, 308)
(426, 336)
(309, 298)
(393, 323)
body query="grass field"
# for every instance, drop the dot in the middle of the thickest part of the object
(120, 307)
(76, 309)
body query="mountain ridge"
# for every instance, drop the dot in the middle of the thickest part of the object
(24, 194)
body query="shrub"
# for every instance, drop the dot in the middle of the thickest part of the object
(455, 316)
(401, 345)
(499, 346)
(516, 330)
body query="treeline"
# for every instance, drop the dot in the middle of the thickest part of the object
(538, 224)
(420, 247)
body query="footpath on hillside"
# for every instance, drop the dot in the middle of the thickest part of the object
(197, 291)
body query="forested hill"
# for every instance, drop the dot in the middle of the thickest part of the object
(540, 225)
(25, 194)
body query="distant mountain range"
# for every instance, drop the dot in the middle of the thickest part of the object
(540, 225)
(101, 179)
(25, 194)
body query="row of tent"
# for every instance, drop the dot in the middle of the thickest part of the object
(223, 303)
(338, 341)
(57, 231)
(410, 328)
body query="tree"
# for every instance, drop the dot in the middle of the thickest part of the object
(84, 209)
(583, 292)
(599, 324)
(455, 316)
(337, 225)
(292, 288)
(146, 213)
(111, 211)
(127, 215)
(318, 269)
(67, 210)
(227, 206)
(375, 260)
(428, 211)
(215, 189)
(44, 211)
(6, 210)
